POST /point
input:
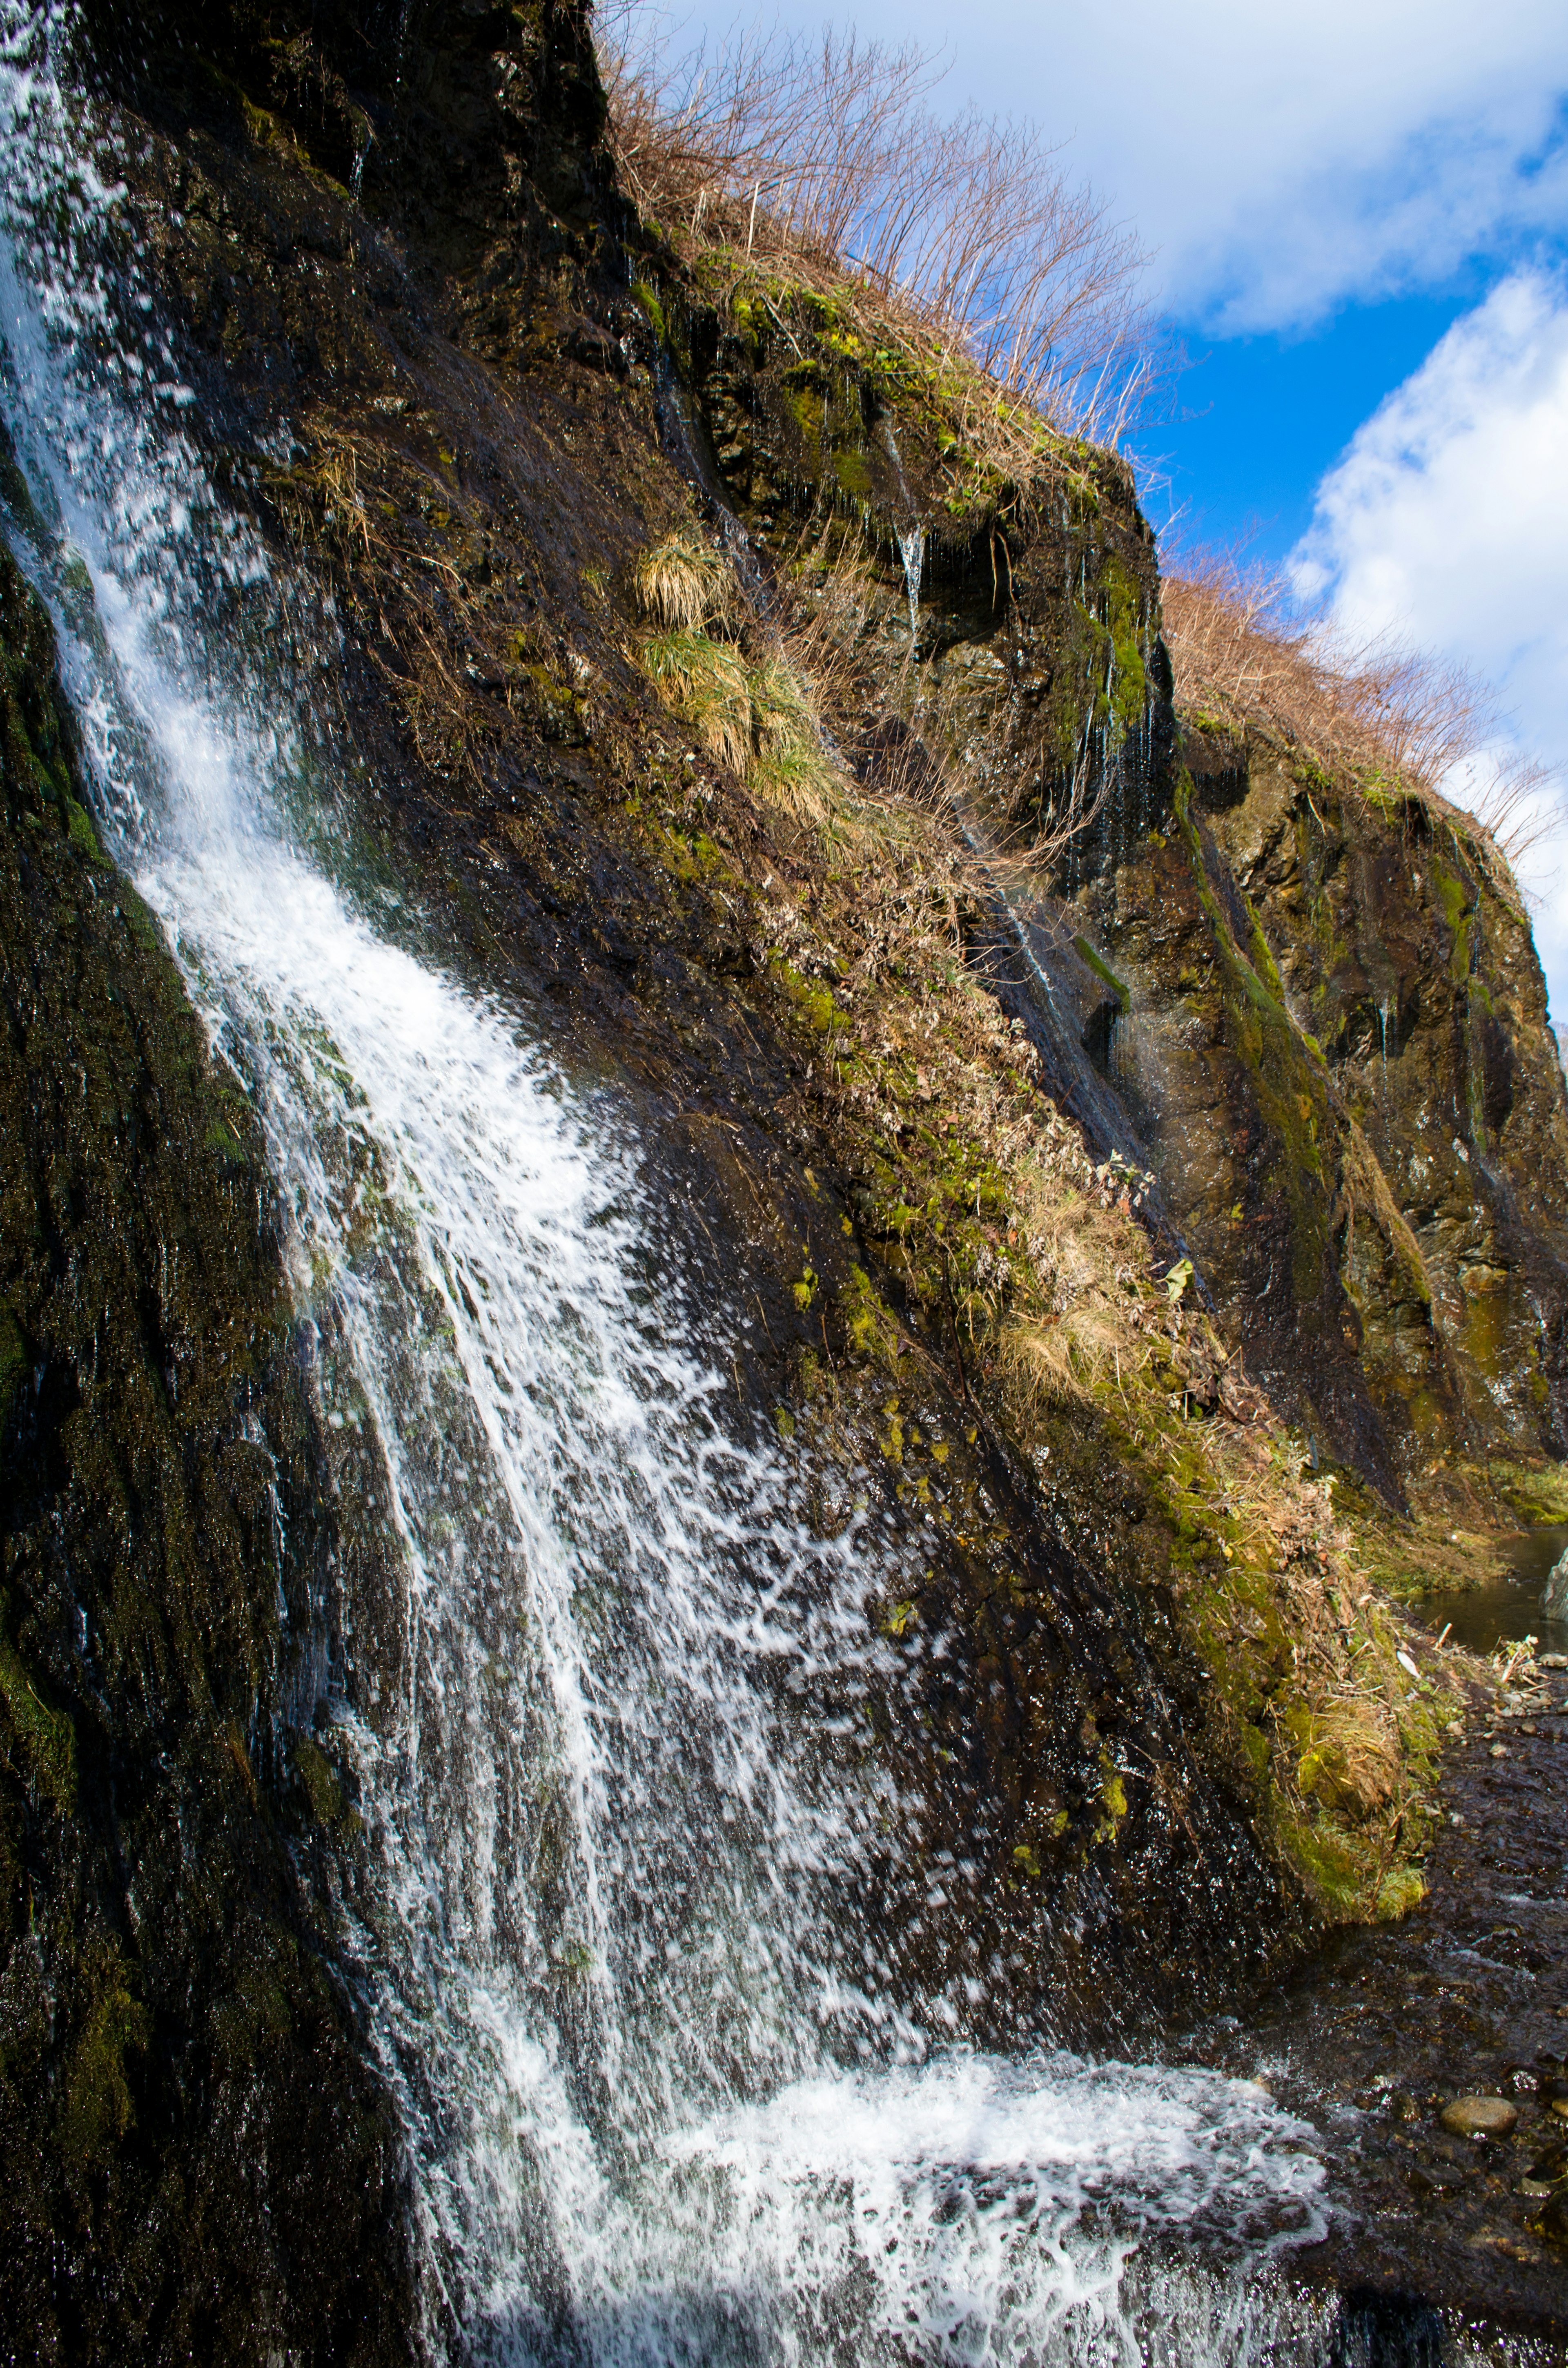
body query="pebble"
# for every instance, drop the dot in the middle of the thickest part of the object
(1552, 1660)
(1499, 1751)
(1479, 2117)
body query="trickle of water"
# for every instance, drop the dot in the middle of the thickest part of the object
(356, 177)
(912, 550)
(665, 2099)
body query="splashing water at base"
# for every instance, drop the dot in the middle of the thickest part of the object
(608, 1701)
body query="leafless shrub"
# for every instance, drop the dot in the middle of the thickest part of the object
(1246, 656)
(825, 162)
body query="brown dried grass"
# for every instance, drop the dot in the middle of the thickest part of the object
(1246, 658)
(683, 583)
(823, 162)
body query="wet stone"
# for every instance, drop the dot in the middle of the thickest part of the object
(1438, 2178)
(1479, 2117)
(1551, 2220)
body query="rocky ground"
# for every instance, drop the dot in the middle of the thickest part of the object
(1432, 2057)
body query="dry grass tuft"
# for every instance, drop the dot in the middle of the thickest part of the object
(683, 583)
(1376, 712)
(822, 161)
(756, 716)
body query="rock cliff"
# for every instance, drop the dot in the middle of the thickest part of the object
(1112, 1119)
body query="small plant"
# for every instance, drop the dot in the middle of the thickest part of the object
(756, 717)
(684, 583)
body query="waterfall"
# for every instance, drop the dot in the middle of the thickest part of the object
(664, 2097)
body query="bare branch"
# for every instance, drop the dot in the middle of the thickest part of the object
(825, 160)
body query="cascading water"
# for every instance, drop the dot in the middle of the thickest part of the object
(663, 2097)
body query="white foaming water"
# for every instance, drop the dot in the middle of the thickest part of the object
(607, 1694)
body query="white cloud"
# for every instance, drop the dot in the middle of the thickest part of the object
(1278, 160)
(1445, 521)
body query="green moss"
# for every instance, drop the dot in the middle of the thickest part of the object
(852, 473)
(1536, 1492)
(1331, 1867)
(97, 2107)
(1127, 678)
(47, 1736)
(1104, 972)
(1113, 1799)
(870, 1328)
(221, 1138)
(646, 297)
(813, 1001)
(82, 831)
(1403, 1888)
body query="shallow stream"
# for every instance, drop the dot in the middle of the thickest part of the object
(1507, 1609)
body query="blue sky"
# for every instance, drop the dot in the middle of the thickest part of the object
(1357, 223)
(1255, 420)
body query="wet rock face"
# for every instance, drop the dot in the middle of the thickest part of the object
(1413, 964)
(1336, 1051)
(1241, 1126)
(474, 131)
(197, 2159)
(1434, 1126)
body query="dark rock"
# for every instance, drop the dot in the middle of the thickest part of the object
(193, 2138)
(1438, 2178)
(1551, 2220)
(1374, 2328)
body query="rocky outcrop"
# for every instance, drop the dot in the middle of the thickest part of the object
(1309, 1006)
(1335, 1049)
